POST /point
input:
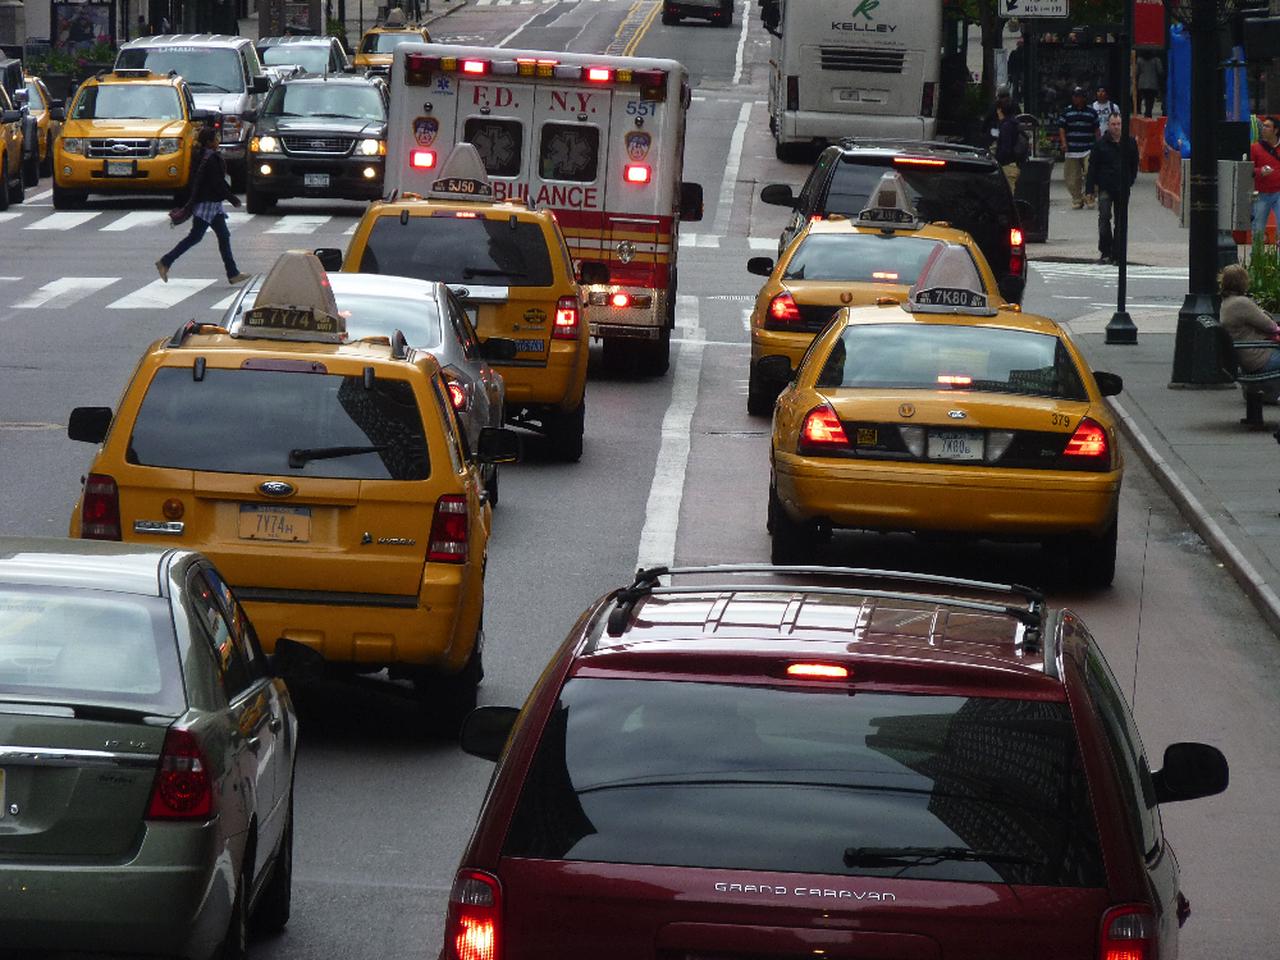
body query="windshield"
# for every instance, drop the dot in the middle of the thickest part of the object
(860, 258)
(88, 648)
(206, 69)
(124, 101)
(312, 57)
(321, 99)
(453, 250)
(925, 355)
(250, 420)
(34, 100)
(387, 42)
(751, 778)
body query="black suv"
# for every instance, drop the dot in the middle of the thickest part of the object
(319, 136)
(961, 185)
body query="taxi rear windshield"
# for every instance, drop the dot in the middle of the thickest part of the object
(459, 250)
(128, 101)
(257, 421)
(923, 356)
(751, 778)
(860, 258)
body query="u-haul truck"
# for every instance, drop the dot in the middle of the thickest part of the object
(599, 140)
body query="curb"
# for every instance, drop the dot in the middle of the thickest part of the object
(1193, 511)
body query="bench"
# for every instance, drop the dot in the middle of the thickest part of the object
(1256, 387)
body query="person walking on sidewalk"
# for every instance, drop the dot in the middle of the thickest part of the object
(1266, 176)
(1150, 79)
(1077, 132)
(1010, 145)
(1105, 108)
(208, 189)
(1104, 182)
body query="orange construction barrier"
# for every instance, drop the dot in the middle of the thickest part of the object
(1169, 182)
(1149, 132)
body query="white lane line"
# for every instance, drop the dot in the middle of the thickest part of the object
(351, 229)
(662, 514)
(42, 195)
(299, 223)
(138, 218)
(512, 35)
(762, 243)
(64, 220)
(64, 292)
(725, 205)
(746, 318)
(157, 294)
(742, 42)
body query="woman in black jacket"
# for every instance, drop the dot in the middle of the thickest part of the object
(208, 189)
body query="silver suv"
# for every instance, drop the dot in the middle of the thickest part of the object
(225, 76)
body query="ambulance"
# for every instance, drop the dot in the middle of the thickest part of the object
(597, 140)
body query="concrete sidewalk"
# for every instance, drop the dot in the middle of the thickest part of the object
(1222, 475)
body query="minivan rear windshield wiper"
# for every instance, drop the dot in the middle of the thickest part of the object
(910, 856)
(301, 457)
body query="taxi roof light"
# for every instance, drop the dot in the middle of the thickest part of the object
(295, 302)
(949, 282)
(462, 177)
(890, 205)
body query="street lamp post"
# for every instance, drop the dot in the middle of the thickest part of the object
(1195, 356)
(1121, 328)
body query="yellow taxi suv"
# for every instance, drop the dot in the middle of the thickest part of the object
(325, 478)
(379, 43)
(946, 414)
(841, 262)
(42, 106)
(512, 270)
(12, 149)
(126, 131)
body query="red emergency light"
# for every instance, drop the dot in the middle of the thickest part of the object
(422, 159)
(475, 67)
(620, 300)
(637, 173)
(597, 74)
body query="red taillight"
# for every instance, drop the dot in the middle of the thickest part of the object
(182, 789)
(449, 530)
(636, 173)
(472, 928)
(598, 74)
(475, 67)
(422, 159)
(821, 671)
(793, 92)
(1017, 252)
(1089, 448)
(919, 162)
(822, 428)
(567, 319)
(100, 509)
(1127, 932)
(954, 380)
(620, 300)
(783, 309)
(926, 99)
(457, 395)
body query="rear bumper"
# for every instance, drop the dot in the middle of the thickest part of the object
(172, 899)
(807, 125)
(559, 383)
(974, 500)
(709, 9)
(771, 343)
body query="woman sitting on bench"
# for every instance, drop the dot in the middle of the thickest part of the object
(1245, 320)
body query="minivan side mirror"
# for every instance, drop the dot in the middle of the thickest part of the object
(1109, 384)
(330, 257)
(485, 731)
(89, 424)
(690, 202)
(1190, 771)
(296, 662)
(778, 195)
(498, 349)
(58, 113)
(593, 272)
(203, 116)
(259, 84)
(760, 266)
(249, 116)
(498, 445)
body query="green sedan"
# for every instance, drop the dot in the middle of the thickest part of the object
(146, 755)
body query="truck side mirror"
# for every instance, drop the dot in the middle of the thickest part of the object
(259, 84)
(690, 202)
(778, 195)
(89, 424)
(330, 257)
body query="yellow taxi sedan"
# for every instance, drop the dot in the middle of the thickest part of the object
(949, 414)
(841, 262)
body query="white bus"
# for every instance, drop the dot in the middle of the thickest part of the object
(845, 68)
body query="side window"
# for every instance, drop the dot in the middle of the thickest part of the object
(569, 152)
(812, 187)
(457, 442)
(242, 632)
(1132, 772)
(463, 328)
(217, 629)
(500, 144)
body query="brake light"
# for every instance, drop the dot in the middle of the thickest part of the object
(475, 67)
(954, 380)
(182, 789)
(620, 300)
(1088, 448)
(422, 159)
(597, 74)
(793, 92)
(822, 671)
(636, 173)
(783, 309)
(919, 162)
(457, 395)
(822, 428)
(449, 530)
(568, 317)
(885, 275)
(1017, 252)
(472, 927)
(926, 99)
(100, 509)
(1127, 932)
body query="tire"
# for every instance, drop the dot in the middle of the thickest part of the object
(64, 199)
(789, 152)
(669, 19)
(760, 398)
(235, 945)
(46, 165)
(619, 355)
(31, 169)
(4, 181)
(446, 701)
(655, 355)
(271, 914)
(491, 486)
(564, 433)
(239, 173)
(1093, 559)
(255, 201)
(792, 542)
(726, 17)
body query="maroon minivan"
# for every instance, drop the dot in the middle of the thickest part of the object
(745, 762)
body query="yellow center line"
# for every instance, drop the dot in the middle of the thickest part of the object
(630, 49)
(626, 22)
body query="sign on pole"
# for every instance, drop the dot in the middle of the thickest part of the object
(1032, 9)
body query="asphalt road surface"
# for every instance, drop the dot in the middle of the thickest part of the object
(673, 469)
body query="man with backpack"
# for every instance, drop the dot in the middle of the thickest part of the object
(1105, 181)
(1077, 133)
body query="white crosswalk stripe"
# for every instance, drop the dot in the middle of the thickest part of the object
(138, 218)
(299, 223)
(238, 218)
(64, 220)
(1100, 271)
(222, 304)
(64, 291)
(157, 294)
(10, 215)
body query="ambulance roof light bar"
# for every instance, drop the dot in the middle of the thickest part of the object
(889, 205)
(949, 282)
(295, 302)
(419, 67)
(462, 177)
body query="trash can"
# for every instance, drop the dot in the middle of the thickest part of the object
(1033, 187)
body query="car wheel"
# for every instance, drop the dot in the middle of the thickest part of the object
(274, 903)
(1092, 560)
(760, 399)
(491, 485)
(239, 173)
(789, 152)
(255, 201)
(46, 165)
(31, 169)
(64, 199)
(655, 355)
(669, 19)
(235, 945)
(793, 543)
(446, 701)
(726, 16)
(619, 355)
(4, 182)
(564, 433)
